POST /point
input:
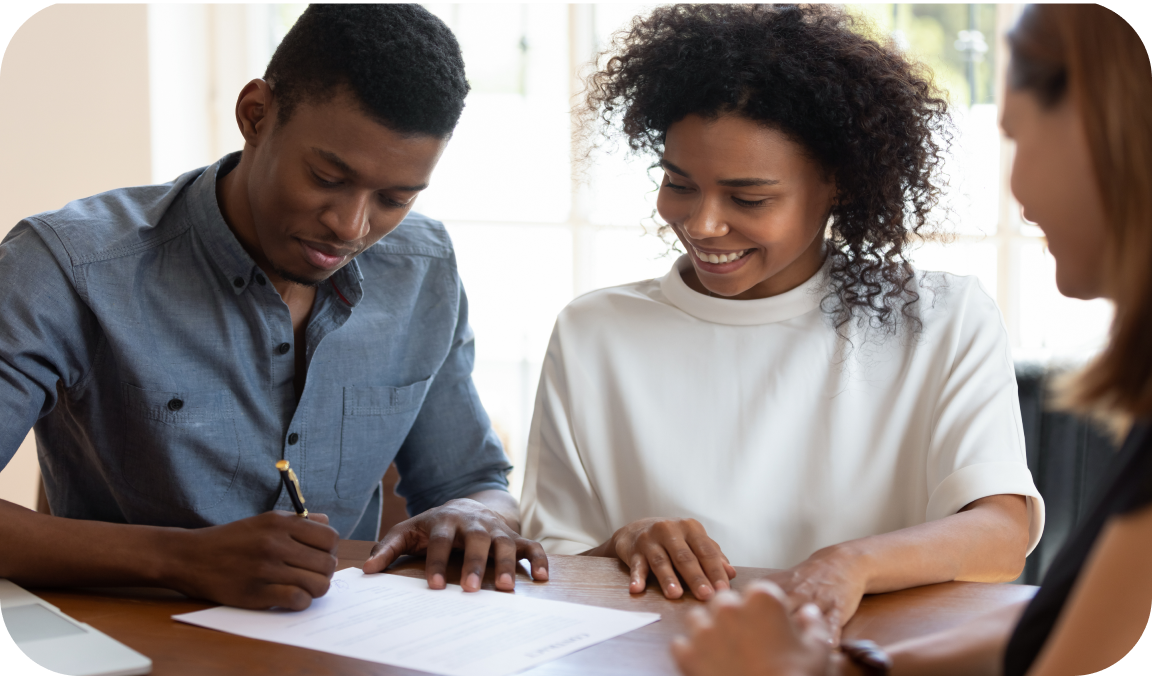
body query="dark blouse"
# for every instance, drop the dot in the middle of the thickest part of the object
(1129, 489)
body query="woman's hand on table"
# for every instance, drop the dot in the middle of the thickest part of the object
(831, 579)
(665, 547)
(760, 633)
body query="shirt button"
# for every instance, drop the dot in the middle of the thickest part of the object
(238, 282)
(283, 348)
(175, 404)
(293, 438)
(260, 280)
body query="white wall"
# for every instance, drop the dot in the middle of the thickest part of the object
(74, 121)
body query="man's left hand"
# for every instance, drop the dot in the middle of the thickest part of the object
(465, 524)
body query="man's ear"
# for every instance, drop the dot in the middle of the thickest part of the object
(254, 111)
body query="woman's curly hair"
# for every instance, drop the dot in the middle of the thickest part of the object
(870, 118)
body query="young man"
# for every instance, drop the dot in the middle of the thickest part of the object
(172, 342)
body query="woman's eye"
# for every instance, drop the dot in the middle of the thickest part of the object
(674, 187)
(749, 203)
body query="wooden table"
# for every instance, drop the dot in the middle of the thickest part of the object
(141, 618)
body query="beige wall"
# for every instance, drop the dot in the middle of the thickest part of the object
(74, 121)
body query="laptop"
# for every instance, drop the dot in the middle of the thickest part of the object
(58, 643)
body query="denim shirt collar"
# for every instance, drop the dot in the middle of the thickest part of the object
(234, 266)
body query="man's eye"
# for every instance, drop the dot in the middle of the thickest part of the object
(323, 182)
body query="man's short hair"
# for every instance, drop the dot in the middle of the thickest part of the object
(400, 61)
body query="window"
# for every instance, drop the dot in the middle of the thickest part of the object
(530, 234)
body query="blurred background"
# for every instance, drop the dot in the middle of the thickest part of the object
(94, 97)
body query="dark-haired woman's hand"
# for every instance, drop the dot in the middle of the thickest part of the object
(830, 580)
(665, 547)
(758, 634)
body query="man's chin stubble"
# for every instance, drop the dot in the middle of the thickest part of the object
(294, 278)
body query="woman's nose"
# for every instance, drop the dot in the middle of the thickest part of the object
(705, 220)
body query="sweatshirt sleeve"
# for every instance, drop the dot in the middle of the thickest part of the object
(560, 507)
(977, 446)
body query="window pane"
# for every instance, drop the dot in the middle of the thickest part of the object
(960, 258)
(509, 159)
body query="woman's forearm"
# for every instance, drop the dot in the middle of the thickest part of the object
(986, 542)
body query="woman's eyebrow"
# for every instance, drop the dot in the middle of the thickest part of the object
(727, 182)
(746, 182)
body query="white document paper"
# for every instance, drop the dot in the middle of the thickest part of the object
(400, 621)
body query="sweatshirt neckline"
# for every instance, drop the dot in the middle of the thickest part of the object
(782, 307)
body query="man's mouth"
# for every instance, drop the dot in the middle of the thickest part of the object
(323, 256)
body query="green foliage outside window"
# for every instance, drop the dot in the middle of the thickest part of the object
(930, 33)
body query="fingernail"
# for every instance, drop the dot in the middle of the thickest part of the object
(437, 580)
(811, 610)
(704, 590)
(541, 573)
(474, 581)
(506, 579)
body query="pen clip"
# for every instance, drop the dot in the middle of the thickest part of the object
(295, 484)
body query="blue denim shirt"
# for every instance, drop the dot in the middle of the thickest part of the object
(157, 365)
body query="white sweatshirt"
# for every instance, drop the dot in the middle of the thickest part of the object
(756, 419)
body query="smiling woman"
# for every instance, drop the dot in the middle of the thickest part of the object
(792, 394)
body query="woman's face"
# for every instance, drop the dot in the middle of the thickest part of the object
(748, 204)
(1053, 179)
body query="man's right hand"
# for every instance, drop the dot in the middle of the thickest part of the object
(275, 559)
(668, 546)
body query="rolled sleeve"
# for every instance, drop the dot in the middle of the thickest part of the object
(977, 448)
(451, 451)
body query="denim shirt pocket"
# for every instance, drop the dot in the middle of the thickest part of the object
(376, 422)
(180, 449)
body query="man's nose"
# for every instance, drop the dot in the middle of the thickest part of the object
(705, 220)
(349, 220)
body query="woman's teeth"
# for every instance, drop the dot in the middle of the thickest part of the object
(716, 259)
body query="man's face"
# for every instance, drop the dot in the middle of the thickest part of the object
(331, 182)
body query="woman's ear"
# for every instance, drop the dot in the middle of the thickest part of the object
(254, 114)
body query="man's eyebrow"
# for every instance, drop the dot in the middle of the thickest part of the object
(352, 174)
(727, 182)
(335, 159)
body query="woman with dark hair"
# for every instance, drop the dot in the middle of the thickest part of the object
(1079, 107)
(792, 394)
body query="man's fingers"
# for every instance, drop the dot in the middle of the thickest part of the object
(686, 563)
(311, 560)
(638, 573)
(286, 596)
(318, 517)
(504, 559)
(476, 545)
(438, 551)
(313, 533)
(537, 558)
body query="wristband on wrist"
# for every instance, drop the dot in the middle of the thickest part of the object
(871, 658)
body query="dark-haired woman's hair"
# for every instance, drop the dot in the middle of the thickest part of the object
(400, 62)
(869, 117)
(1088, 55)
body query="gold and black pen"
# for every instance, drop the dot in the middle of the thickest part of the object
(292, 485)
